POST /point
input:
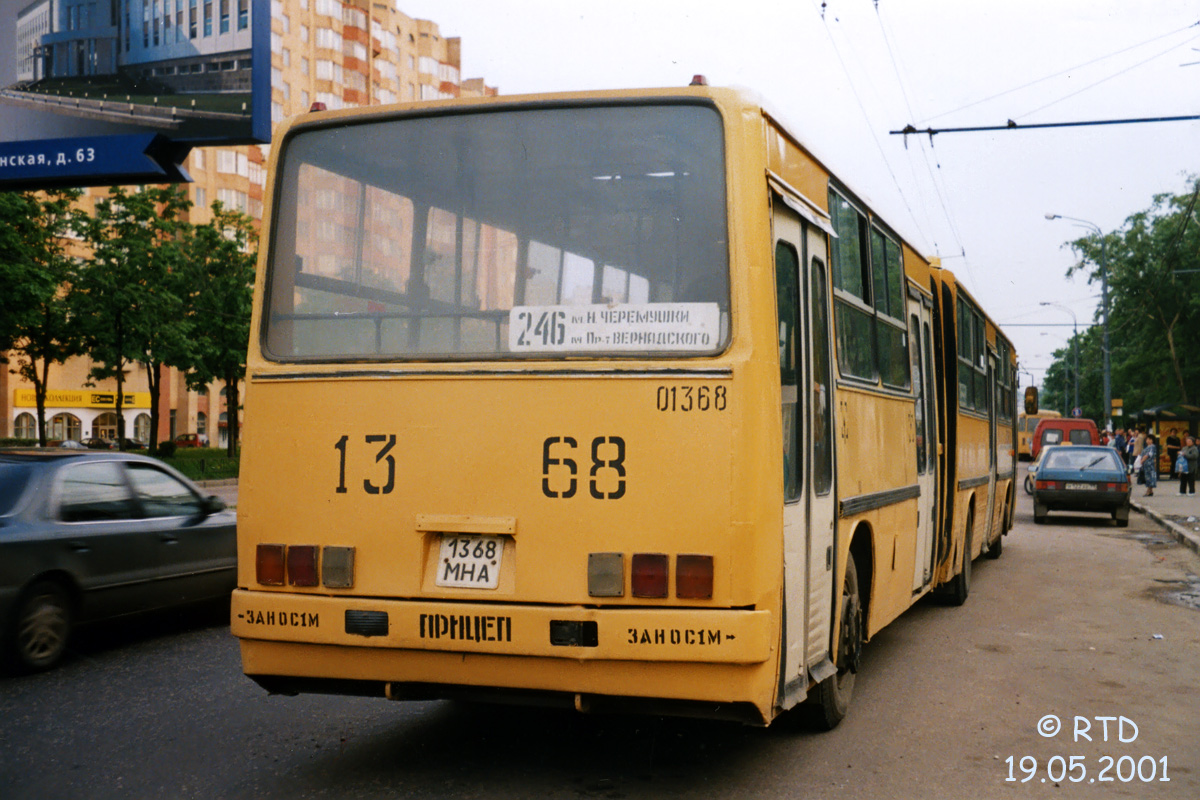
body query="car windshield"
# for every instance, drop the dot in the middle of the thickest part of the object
(502, 234)
(1069, 458)
(13, 480)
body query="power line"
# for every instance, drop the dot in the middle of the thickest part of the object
(1063, 72)
(1013, 126)
(1103, 80)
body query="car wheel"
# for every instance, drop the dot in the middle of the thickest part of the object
(1039, 513)
(41, 627)
(834, 693)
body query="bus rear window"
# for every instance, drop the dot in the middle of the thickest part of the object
(515, 233)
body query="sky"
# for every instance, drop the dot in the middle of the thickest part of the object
(843, 79)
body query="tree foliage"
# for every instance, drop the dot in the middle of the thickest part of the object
(129, 294)
(219, 262)
(39, 331)
(1153, 269)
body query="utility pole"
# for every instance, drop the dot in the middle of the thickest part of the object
(1103, 313)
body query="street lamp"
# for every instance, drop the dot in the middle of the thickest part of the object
(1103, 312)
(1074, 343)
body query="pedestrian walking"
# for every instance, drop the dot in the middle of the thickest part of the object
(1187, 478)
(1119, 444)
(1149, 459)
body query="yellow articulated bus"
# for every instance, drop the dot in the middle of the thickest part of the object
(1026, 425)
(616, 400)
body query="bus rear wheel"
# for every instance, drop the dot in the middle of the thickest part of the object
(960, 586)
(834, 693)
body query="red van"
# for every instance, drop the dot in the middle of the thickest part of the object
(1063, 430)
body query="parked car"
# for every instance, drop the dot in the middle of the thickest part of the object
(71, 444)
(86, 536)
(96, 443)
(130, 444)
(189, 440)
(1081, 478)
(1062, 430)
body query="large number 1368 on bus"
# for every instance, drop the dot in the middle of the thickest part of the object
(620, 401)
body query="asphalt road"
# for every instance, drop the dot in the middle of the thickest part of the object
(1064, 624)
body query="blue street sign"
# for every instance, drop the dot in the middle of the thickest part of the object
(91, 161)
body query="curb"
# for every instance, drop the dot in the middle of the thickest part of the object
(217, 482)
(1189, 539)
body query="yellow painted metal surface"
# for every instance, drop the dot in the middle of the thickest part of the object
(559, 459)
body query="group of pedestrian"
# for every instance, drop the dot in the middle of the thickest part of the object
(1139, 450)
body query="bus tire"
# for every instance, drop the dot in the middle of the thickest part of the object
(40, 628)
(996, 547)
(960, 586)
(834, 693)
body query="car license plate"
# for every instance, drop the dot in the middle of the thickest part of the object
(1080, 486)
(469, 561)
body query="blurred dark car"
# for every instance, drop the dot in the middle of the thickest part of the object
(97, 444)
(188, 440)
(1074, 478)
(130, 444)
(86, 536)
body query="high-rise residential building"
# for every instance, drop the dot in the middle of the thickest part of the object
(340, 53)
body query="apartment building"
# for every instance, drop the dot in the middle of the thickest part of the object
(340, 54)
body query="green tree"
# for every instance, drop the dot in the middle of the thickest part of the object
(44, 334)
(1153, 265)
(220, 258)
(130, 296)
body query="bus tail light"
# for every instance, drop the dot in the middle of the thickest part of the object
(606, 575)
(268, 564)
(649, 575)
(337, 567)
(302, 565)
(694, 577)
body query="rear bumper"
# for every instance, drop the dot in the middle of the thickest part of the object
(565, 632)
(716, 663)
(1063, 500)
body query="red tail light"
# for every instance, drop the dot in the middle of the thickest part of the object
(694, 577)
(649, 577)
(302, 565)
(268, 564)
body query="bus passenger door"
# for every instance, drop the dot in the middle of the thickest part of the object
(992, 460)
(925, 416)
(789, 255)
(821, 510)
(806, 383)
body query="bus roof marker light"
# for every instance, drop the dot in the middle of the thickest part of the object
(694, 577)
(650, 575)
(606, 574)
(268, 564)
(698, 80)
(302, 565)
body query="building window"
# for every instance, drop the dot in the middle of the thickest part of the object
(26, 426)
(201, 423)
(65, 426)
(141, 426)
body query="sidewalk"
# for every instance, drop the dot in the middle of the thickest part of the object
(1179, 514)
